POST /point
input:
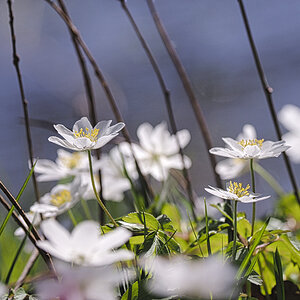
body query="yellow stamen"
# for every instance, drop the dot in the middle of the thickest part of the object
(90, 134)
(71, 162)
(61, 198)
(253, 142)
(237, 189)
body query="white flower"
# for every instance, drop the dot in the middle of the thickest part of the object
(66, 164)
(289, 116)
(81, 283)
(84, 136)
(200, 206)
(34, 218)
(158, 151)
(3, 289)
(85, 246)
(234, 167)
(209, 278)
(61, 198)
(250, 148)
(235, 191)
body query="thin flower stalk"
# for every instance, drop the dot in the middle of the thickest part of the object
(234, 230)
(253, 190)
(96, 193)
(268, 94)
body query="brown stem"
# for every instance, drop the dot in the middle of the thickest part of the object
(187, 86)
(268, 94)
(104, 84)
(46, 257)
(89, 96)
(16, 61)
(167, 97)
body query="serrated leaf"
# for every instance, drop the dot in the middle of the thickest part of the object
(145, 219)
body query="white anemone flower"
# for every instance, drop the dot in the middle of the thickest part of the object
(158, 151)
(289, 116)
(81, 283)
(178, 276)
(84, 136)
(61, 198)
(66, 164)
(234, 167)
(250, 148)
(236, 192)
(85, 246)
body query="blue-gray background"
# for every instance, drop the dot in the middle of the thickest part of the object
(210, 39)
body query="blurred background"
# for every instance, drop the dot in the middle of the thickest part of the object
(210, 39)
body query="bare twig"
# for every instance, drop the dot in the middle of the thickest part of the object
(16, 61)
(105, 86)
(31, 236)
(167, 98)
(187, 86)
(268, 93)
(27, 268)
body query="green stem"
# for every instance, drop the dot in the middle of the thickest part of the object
(71, 215)
(86, 209)
(253, 190)
(269, 179)
(234, 230)
(207, 232)
(96, 193)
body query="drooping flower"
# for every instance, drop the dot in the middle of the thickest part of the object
(235, 191)
(289, 116)
(234, 167)
(85, 246)
(81, 283)
(180, 277)
(158, 151)
(250, 148)
(66, 164)
(85, 137)
(61, 198)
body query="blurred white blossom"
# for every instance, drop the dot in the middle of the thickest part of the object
(289, 116)
(235, 191)
(34, 218)
(158, 151)
(234, 167)
(209, 278)
(3, 289)
(85, 246)
(82, 283)
(85, 137)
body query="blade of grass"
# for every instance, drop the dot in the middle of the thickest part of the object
(17, 199)
(278, 276)
(251, 250)
(206, 229)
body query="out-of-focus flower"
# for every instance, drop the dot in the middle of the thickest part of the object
(289, 116)
(34, 218)
(158, 151)
(84, 136)
(250, 148)
(67, 164)
(3, 289)
(234, 167)
(211, 211)
(235, 191)
(85, 246)
(177, 276)
(81, 283)
(61, 198)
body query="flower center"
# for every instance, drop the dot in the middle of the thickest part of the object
(72, 161)
(61, 198)
(245, 143)
(237, 189)
(90, 134)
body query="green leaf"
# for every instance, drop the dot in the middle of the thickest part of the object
(146, 219)
(278, 276)
(172, 212)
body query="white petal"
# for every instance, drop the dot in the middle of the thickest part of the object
(82, 123)
(289, 116)
(225, 152)
(233, 144)
(103, 126)
(115, 128)
(251, 151)
(62, 143)
(144, 133)
(66, 133)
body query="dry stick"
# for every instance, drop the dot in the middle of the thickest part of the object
(31, 236)
(32, 259)
(268, 93)
(187, 86)
(167, 98)
(104, 84)
(89, 95)
(16, 61)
